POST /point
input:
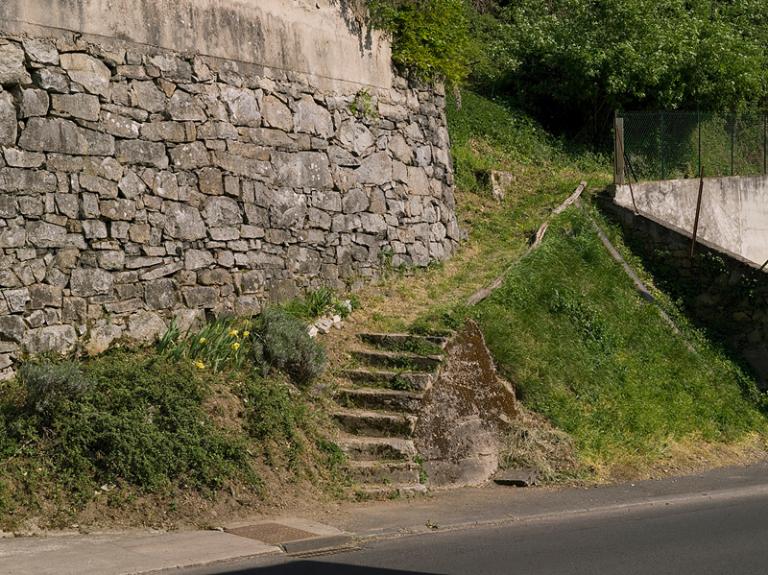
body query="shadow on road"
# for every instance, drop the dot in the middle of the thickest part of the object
(317, 568)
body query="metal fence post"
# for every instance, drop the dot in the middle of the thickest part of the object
(661, 144)
(618, 151)
(698, 125)
(765, 144)
(733, 143)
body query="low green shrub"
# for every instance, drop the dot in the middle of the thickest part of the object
(49, 384)
(285, 345)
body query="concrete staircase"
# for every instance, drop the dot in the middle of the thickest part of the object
(378, 399)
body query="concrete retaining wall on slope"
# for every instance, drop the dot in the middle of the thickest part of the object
(734, 211)
(139, 185)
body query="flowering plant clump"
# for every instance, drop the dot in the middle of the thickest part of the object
(220, 344)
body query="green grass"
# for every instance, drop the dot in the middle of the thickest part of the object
(584, 350)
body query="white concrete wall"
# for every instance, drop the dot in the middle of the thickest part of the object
(321, 38)
(734, 211)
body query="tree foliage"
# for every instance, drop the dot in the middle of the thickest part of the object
(430, 38)
(572, 62)
(591, 57)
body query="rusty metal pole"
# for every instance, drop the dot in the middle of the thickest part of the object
(733, 144)
(618, 145)
(698, 214)
(765, 144)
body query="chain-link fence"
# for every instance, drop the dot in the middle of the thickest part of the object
(670, 145)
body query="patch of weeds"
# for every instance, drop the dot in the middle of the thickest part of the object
(590, 355)
(49, 384)
(139, 423)
(273, 413)
(363, 106)
(423, 476)
(320, 302)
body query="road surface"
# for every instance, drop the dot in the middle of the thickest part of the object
(722, 535)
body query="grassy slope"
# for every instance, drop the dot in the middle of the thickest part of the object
(588, 353)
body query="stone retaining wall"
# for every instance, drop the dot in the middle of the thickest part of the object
(137, 185)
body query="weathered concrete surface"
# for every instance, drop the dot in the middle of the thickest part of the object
(734, 211)
(464, 415)
(322, 38)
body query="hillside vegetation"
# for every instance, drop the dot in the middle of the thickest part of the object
(567, 328)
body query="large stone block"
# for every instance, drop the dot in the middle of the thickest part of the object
(183, 222)
(145, 327)
(12, 69)
(375, 170)
(312, 118)
(83, 106)
(221, 211)
(142, 153)
(147, 96)
(90, 73)
(87, 282)
(8, 121)
(65, 137)
(184, 107)
(52, 339)
(356, 137)
(302, 170)
(277, 114)
(243, 106)
(28, 181)
(34, 103)
(45, 235)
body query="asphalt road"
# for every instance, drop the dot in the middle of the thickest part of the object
(723, 536)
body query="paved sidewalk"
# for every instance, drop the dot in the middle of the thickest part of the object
(122, 554)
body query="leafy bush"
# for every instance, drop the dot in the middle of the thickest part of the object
(430, 38)
(286, 345)
(49, 384)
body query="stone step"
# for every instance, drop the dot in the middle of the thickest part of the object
(377, 448)
(420, 344)
(402, 380)
(375, 423)
(378, 398)
(391, 491)
(374, 473)
(397, 359)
